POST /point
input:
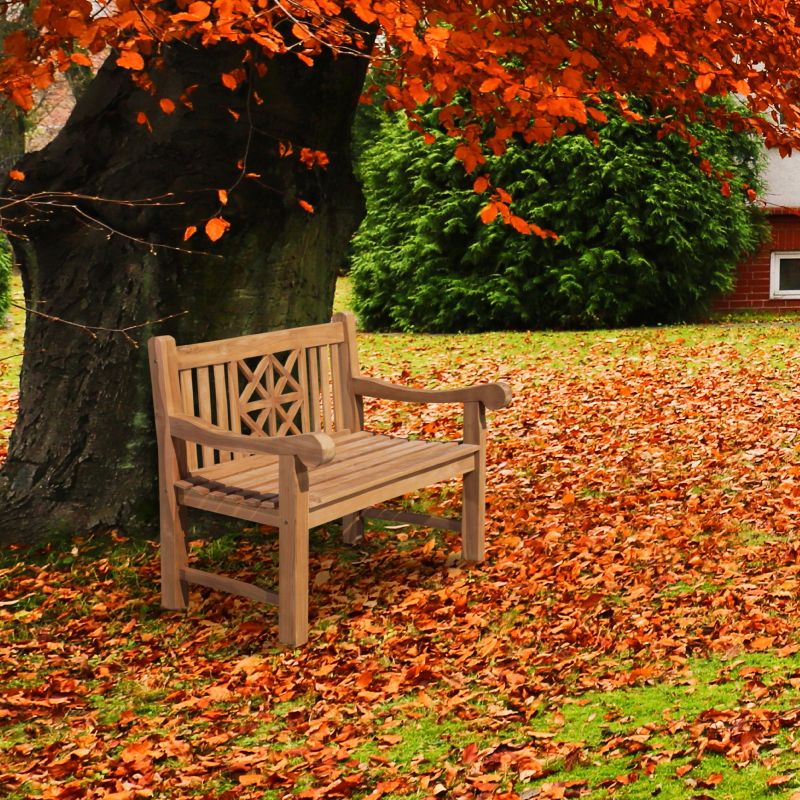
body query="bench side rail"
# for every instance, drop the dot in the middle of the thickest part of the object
(281, 383)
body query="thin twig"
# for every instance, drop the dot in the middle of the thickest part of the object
(62, 200)
(338, 48)
(44, 198)
(93, 330)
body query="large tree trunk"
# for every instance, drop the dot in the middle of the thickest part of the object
(82, 454)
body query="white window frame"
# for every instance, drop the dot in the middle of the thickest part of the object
(775, 275)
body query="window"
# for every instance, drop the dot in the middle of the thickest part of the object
(784, 275)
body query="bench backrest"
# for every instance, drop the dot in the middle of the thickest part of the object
(270, 384)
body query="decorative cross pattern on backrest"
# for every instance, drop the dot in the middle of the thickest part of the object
(275, 396)
(272, 394)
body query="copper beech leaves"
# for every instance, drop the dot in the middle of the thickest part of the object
(481, 184)
(81, 59)
(492, 71)
(498, 207)
(130, 59)
(216, 227)
(197, 12)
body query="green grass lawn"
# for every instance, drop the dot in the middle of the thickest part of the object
(10, 362)
(634, 632)
(12, 331)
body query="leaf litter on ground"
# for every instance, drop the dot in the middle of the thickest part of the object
(633, 632)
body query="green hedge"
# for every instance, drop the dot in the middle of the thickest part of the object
(645, 236)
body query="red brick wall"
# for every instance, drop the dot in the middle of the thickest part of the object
(751, 284)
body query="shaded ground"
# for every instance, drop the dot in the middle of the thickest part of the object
(633, 633)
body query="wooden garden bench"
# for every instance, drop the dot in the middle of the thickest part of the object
(269, 428)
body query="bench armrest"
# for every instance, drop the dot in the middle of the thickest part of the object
(312, 449)
(492, 395)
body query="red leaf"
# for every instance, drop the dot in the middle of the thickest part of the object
(703, 82)
(481, 184)
(489, 85)
(130, 59)
(363, 11)
(503, 195)
(196, 12)
(470, 155)
(520, 225)
(81, 59)
(365, 679)
(251, 779)
(489, 213)
(216, 227)
(713, 12)
(543, 233)
(143, 119)
(469, 753)
(647, 43)
(710, 781)
(417, 91)
(229, 80)
(383, 787)
(779, 780)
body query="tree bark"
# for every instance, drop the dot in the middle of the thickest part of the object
(82, 454)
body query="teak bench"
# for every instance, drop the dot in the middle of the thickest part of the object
(269, 428)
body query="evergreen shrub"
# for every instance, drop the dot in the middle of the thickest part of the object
(645, 236)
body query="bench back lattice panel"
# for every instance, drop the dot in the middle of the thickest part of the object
(264, 385)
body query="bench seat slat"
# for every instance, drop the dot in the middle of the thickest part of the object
(352, 452)
(372, 475)
(363, 462)
(389, 490)
(348, 457)
(254, 462)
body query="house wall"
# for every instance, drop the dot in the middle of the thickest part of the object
(782, 179)
(751, 286)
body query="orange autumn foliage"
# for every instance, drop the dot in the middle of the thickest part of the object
(495, 68)
(535, 72)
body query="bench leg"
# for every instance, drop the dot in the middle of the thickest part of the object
(293, 552)
(353, 528)
(473, 513)
(174, 590)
